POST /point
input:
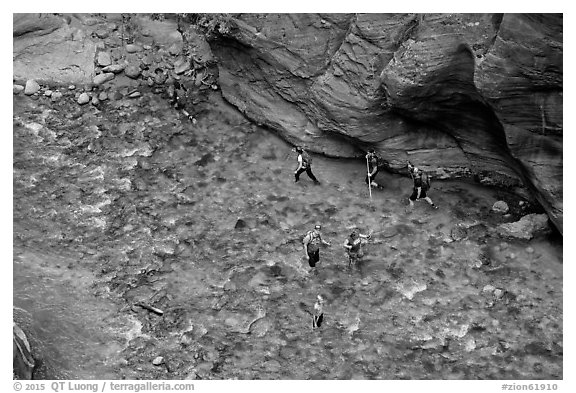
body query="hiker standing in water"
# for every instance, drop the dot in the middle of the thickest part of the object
(177, 93)
(304, 165)
(353, 246)
(372, 159)
(312, 242)
(421, 185)
(318, 315)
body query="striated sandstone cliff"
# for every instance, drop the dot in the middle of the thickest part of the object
(462, 95)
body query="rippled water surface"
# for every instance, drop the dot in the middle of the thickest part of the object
(132, 205)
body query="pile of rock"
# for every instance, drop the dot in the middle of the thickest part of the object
(82, 95)
(156, 57)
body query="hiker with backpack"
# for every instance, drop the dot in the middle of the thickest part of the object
(312, 242)
(353, 245)
(304, 165)
(372, 161)
(421, 185)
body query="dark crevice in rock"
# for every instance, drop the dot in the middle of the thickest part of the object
(330, 56)
(496, 22)
(449, 100)
(408, 30)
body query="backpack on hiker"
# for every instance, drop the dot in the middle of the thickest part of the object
(306, 160)
(425, 181)
(314, 242)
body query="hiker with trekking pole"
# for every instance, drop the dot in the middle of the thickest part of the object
(372, 161)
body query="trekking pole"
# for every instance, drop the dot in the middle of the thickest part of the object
(369, 179)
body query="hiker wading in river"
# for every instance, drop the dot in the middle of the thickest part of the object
(318, 316)
(304, 165)
(312, 242)
(421, 185)
(372, 166)
(353, 245)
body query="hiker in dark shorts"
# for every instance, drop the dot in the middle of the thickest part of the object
(421, 185)
(353, 245)
(304, 165)
(372, 160)
(312, 242)
(318, 316)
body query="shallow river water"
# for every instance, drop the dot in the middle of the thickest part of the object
(204, 222)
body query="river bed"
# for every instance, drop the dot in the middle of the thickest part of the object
(135, 204)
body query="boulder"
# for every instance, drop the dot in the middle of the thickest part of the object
(500, 207)
(133, 48)
(56, 96)
(160, 77)
(240, 224)
(17, 89)
(48, 48)
(199, 48)
(102, 33)
(32, 87)
(526, 228)
(102, 78)
(103, 96)
(175, 49)
(148, 60)
(163, 33)
(35, 24)
(158, 361)
(181, 65)
(134, 94)
(114, 68)
(84, 98)
(103, 59)
(116, 96)
(132, 71)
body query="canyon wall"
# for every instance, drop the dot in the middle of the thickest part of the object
(461, 95)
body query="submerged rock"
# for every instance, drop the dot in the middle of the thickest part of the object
(56, 96)
(103, 78)
(500, 207)
(132, 71)
(104, 59)
(114, 68)
(132, 48)
(240, 224)
(526, 228)
(83, 99)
